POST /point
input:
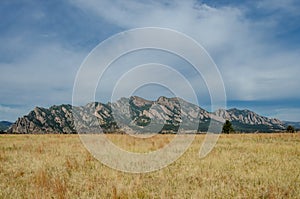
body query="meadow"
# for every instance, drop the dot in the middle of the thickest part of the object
(240, 166)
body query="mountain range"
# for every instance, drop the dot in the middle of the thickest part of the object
(165, 115)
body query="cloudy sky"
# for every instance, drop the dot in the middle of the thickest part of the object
(255, 44)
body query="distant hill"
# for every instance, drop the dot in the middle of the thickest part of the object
(4, 125)
(165, 115)
(296, 125)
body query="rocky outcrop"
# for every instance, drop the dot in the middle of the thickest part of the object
(56, 119)
(248, 121)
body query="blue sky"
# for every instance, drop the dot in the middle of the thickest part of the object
(255, 44)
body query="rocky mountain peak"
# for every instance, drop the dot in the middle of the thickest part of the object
(139, 102)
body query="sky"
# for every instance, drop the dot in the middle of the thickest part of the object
(254, 44)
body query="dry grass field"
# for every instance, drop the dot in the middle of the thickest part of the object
(240, 166)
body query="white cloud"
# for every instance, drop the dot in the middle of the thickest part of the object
(9, 113)
(252, 61)
(252, 65)
(43, 77)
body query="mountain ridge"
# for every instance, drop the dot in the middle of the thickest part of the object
(296, 125)
(164, 115)
(4, 125)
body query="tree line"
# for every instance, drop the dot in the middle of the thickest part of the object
(228, 128)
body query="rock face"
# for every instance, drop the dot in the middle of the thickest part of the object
(56, 119)
(248, 121)
(165, 115)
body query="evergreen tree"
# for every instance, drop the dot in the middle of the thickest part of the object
(290, 129)
(227, 127)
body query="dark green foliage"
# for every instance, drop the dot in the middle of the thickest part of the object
(290, 129)
(227, 127)
(143, 120)
(169, 128)
(210, 125)
(250, 128)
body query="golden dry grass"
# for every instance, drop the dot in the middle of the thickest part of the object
(240, 166)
